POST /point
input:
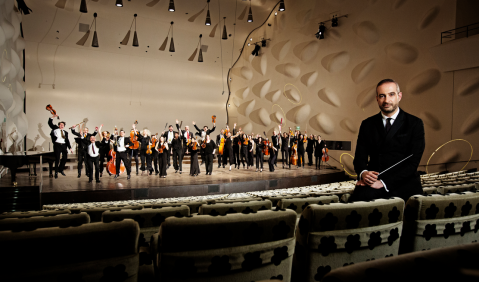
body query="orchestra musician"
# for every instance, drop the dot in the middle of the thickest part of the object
(186, 136)
(154, 154)
(105, 143)
(83, 141)
(275, 139)
(93, 150)
(145, 140)
(285, 147)
(193, 147)
(177, 148)
(202, 133)
(260, 146)
(236, 146)
(169, 136)
(310, 149)
(244, 150)
(134, 152)
(228, 149)
(272, 157)
(209, 151)
(162, 148)
(251, 148)
(121, 145)
(318, 147)
(300, 139)
(218, 141)
(60, 145)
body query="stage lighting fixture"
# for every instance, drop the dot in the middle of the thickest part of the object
(208, 18)
(256, 50)
(320, 33)
(83, 7)
(135, 36)
(171, 6)
(119, 3)
(250, 13)
(225, 34)
(263, 43)
(94, 42)
(200, 56)
(22, 7)
(334, 21)
(281, 6)
(172, 43)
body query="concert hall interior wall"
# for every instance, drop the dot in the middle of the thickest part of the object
(326, 86)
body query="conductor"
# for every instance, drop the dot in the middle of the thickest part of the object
(384, 140)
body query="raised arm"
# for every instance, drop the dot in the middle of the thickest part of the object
(50, 123)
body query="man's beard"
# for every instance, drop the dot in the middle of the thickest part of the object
(392, 110)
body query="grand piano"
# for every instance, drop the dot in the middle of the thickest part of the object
(19, 159)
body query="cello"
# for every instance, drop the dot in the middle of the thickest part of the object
(111, 165)
(294, 154)
(134, 139)
(325, 156)
(266, 145)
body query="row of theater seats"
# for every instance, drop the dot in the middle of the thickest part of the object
(296, 238)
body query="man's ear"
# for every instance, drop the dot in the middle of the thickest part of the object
(399, 96)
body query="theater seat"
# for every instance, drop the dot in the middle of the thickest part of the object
(91, 252)
(33, 213)
(95, 213)
(457, 188)
(299, 204)
(437, 221)
(234, 207)
(35, 222)
(459, 263)
(234, 247)
(339, 234)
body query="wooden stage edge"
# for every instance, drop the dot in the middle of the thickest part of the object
(70, 189)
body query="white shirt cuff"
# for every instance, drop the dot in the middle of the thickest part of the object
(361, 174)
(384, 184)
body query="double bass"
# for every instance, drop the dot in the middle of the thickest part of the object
(294, 154)
(111, 165)
(134, 139)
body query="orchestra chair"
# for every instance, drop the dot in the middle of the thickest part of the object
(339, 234)
(36, 222)
(437, 221)
(234, 247)
(458, 263)
(215, 209)
(90, 252)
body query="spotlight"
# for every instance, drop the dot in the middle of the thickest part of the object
(256, 50)
(135, 36)
(229, 105)
(334, 21)
(172, 43)
(281, 6)
(83, 7)
(200, 55)
(171, 6)
(225, 34)
(94, 42)
(250, 13)
(208, 18)
(263, 43)
(22, 7)
(320, 33)
(119, 3)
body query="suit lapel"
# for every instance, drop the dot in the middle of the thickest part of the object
(380, 125)
(396, 125)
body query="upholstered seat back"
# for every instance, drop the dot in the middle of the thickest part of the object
(234, 247)
(95, 213)
(234, 207)
(437, 221)
(335, 235)
(457, 188)
(299, 204)
(32, 223)
(194, 206)
(91, 252)
(33, 213)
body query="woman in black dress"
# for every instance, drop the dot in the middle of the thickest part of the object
(259, 153)
(244, 150)
(300, 150)
(209, 152)
(310, 149)
(272, 157)
(162, 148)
(104, 150)
(251, 151)
(318, 151)
(194, 166)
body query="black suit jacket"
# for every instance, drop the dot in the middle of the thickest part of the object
(405, 137)
(83, 143)
(52, 134)
(208, 132)
(165, 135)
(182, 135)
(127, 142)
(275, 140)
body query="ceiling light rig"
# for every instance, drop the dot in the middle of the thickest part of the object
(322, 27)
(165, 42)
(83, 7)
(200, 56)
(127, 36)
(119, 3)
(257, 47)
(250, 13)
(94, 42)
(225, 34)
(135, 36)
(281, 6)
(171, 6)
(208, 17)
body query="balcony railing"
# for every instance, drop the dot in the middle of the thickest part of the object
(460, 32)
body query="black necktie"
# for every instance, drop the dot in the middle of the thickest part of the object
(93, 148)
(388, 124)
(63, 135)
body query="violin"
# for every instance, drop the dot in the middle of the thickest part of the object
(325, 156)
(134, 139)
(162, 147)
(213, 118)
(266, 146)
(203, 145)
(245, 142)
(152, 145)
(51, 110)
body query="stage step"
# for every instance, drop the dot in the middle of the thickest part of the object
(19, 199)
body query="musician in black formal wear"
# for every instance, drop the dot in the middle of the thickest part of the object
(301, 142)
(251, 151)
(60, 145)
(275, 139)
(244, 150)
(272, 157)
(186, 136)
(145, 140)
(384, 140)
(209, 149)
(228, 150)
(169, 136)
(105, 143)
(93, 151)
(202, 133)
(121, 145)
(285, 147)
(260, 146)
(318, 151)
(83, 141)
(177, 148)
(310, 149)
(236, 146)
(154, 154)
(162, 148)
(219, 138)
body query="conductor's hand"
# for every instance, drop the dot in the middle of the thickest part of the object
(369, 177)
(377, 185)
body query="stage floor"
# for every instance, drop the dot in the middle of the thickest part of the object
(70, 189)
